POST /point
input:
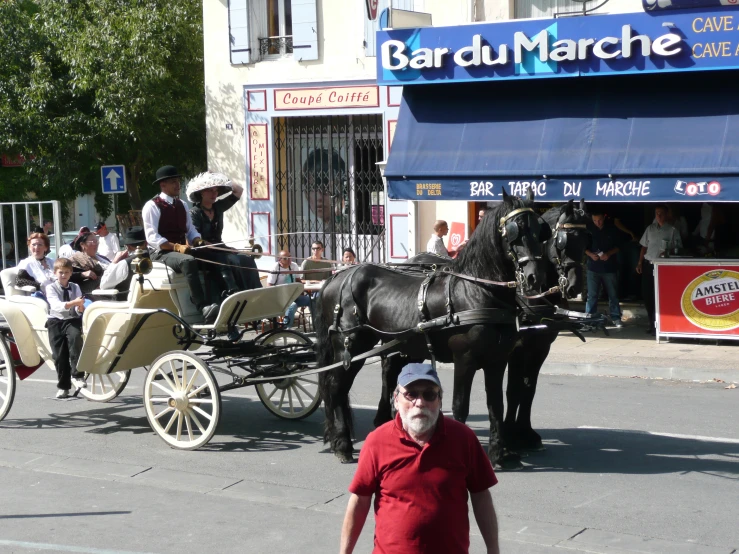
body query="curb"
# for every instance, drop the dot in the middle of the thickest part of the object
(673, 373)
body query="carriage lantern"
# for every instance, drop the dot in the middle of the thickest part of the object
(141, 264)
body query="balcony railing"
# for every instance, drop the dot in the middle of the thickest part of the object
(275, 47)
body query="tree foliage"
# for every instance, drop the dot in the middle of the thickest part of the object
(86, 83)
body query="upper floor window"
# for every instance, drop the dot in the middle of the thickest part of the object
(279, 39)
(271, 29)
(527, 9)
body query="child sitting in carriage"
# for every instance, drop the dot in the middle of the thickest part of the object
(65, 327)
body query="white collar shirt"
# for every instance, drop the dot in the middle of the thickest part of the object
(151, 214)
(435, 245)
(653, 237)
(109, 246)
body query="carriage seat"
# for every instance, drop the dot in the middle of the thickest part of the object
(254, 305)
(164, 278)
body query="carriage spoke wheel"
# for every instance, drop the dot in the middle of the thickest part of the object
(104, 388)
(183, 408)
(292, 397)
(7, 379)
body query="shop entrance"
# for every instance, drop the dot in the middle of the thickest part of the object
(329, 187)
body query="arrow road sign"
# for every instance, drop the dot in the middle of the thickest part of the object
(113, 178)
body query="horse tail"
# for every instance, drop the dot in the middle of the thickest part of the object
(324, 357)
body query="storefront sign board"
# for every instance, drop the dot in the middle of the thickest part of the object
(568, 47)
(627, 189)
(698, 298)
(327, 98)
(258, 162)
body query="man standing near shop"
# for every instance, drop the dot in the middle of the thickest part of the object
(168, 230)
(435, 244)
(659, 237)
(602, 256)
(109, 245)
(421, 467)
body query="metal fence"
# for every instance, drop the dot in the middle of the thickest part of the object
(329, 187)
(17, 221)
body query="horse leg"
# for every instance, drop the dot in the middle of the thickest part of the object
(534, 354)
(514, 393)
(499, 452)
(464, 373)
(391, 368)
(335, 386)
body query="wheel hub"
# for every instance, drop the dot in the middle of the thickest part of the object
(179, 401)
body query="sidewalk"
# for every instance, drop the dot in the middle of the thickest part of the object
(630, 352)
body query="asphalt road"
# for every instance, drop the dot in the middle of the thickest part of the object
(631, 465)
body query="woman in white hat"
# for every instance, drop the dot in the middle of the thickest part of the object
(212, 194)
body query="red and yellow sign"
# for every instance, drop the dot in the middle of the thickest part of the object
(258, 162)
(698, 299)
(327, 98)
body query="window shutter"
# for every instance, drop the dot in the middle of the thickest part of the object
(238, 31)
(305, 30)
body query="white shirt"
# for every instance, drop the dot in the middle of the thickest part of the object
(55, 297)
(151, 214)
(282, 278)
(702, 229)
(435, 245)
(44, 276)
(653, 237)
(109, 246)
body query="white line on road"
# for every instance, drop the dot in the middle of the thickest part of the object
(64, 548)
(668, 435)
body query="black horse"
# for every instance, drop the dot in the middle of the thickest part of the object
(564, 251)
(467, 319)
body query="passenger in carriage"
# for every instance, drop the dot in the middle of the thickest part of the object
(37, 270)
(92, 271)
(170, 234)
(65, 327)
(278, 277)
(207, 213)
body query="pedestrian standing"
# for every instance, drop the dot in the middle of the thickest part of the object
(421, 468)
(108, 244)
(435, 244)
(658, 238)
(602, 266)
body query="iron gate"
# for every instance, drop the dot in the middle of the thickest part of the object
(329, 187)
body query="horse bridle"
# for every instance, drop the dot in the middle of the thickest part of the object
(509, 229)
(559, 244)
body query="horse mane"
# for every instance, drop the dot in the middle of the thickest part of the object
(483, 255)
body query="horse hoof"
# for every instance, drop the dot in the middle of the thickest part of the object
(509, 464)
(533, 447)
(344, 458)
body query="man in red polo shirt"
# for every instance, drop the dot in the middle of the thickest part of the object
(420, 468)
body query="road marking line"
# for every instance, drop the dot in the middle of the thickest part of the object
(668, 435)
(65, 548)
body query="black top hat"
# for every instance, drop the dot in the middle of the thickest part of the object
(166, 172)
(134, 235)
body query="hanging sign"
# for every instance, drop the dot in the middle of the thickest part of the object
(371, 9)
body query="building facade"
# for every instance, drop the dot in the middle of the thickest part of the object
(295, 114)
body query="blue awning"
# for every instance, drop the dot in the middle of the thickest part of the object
(648, 138)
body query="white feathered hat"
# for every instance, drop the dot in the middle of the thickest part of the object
(208, 180)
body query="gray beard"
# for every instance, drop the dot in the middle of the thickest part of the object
(418, 425)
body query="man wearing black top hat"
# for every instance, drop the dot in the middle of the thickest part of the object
(170, 234)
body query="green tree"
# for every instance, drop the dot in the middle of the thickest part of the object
(91, 82)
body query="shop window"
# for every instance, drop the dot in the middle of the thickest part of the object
(272, 29)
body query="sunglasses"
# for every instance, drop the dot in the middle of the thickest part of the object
(427, 395)
(316, 248)
(283, 259)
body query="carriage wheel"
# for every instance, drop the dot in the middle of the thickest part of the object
(293, 397)
(7, 379)
(183, 408)
(104, 388)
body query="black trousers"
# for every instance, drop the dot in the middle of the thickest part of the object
(65, 337)
(647, 290)
(188, 266)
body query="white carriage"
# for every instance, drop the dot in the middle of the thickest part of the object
(155, 328)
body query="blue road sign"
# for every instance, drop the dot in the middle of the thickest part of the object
(113, 178)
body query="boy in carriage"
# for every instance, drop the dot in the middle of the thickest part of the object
(65, 327)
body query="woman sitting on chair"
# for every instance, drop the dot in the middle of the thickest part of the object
(37, 270)
(92, 271)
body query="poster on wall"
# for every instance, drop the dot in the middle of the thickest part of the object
(698, 299)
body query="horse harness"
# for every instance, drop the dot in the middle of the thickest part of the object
(557, 248)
